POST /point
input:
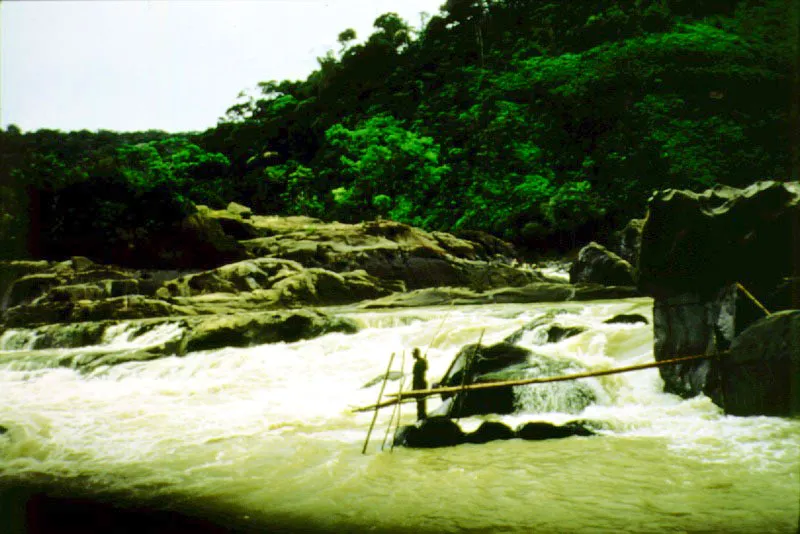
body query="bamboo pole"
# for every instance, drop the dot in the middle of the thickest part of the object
(380, 394)
(395, 411)
(409, 395)
(467, 367)
(751, 297)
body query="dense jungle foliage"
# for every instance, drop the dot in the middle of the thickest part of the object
(545, 122)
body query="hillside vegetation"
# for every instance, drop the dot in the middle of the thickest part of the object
(544, 122)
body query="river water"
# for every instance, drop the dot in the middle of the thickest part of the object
(264, 437)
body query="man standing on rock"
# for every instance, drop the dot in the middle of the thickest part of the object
(420, 367)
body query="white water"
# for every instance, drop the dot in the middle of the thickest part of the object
(264, 436)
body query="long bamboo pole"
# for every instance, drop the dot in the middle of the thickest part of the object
(380, 394)
(464, 373)
(749, 295)
(412, 394)
(395, 411)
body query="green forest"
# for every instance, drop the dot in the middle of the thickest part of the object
(547, 123)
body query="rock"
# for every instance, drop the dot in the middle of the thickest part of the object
(199, 242)
(490, 431)
(627, 242)
(761, 375)
(47, 312)
(243, 330)
(11, 271)
(596, 264)
(479, 362)
(558, 333)
(537, 430)
(540, 323)
(430, 433)
(624, 318)
(320, 287)
(695, 247)
(28, 288)
(488, 245)
(388, 250)
(700, 242)
(502, 362)
(240, 211)
(536, 292)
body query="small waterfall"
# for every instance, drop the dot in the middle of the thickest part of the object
(22, 339)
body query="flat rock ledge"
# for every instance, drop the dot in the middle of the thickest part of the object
(92, 345)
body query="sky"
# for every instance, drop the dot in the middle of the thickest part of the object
(173, 65)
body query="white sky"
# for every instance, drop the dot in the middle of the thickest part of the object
(173, 65)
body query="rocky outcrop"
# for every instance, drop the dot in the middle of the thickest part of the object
(761, 375)
(96, 343)
(627, 242)
(695, 248)
(505, 361)
(538, 430)
(596, 264)
(244, 330)
(535, 292)
(390, 251)
(13, 270)
(443, 432)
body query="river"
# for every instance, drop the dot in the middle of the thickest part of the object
(264, 437)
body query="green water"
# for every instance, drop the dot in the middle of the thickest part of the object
(264, 437)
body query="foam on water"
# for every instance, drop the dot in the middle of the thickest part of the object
(267, 432)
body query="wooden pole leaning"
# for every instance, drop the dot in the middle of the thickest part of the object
(749, 295)
(465, 372)
(414, 393)
(396, 410)
(380, 394)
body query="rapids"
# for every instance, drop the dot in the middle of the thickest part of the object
(263, 438)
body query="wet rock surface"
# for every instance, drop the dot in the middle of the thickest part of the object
(596, 264)
(696, 248)
(761, 375)
(444, 432)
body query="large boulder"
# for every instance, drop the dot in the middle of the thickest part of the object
(699, 242)
(696, 250)
(430, 433)
(504, 361)
(761, 375)
(627, 242)
(596, 264)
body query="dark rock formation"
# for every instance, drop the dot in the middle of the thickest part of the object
(537, 430)
(502, 362)
(490, 431)
(596, 264)
(695, 248)
(627, 242)
(444, 432)
(699, 242)
(430, 433)
(761, 375)
(243, 330)
(11, 271)
(625, 318)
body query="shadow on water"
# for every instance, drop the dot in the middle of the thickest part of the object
(46, 510)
